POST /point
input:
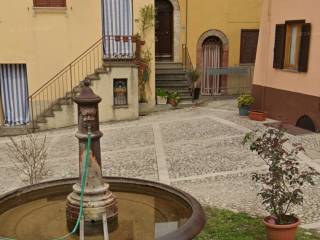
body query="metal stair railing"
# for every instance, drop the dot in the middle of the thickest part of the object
(61, 87)
(186, 59)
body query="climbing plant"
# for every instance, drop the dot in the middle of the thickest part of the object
(144, 73)
(146, 23)
(146, 19)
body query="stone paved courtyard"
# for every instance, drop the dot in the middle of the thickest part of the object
(196, 149)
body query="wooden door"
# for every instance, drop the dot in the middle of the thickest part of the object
(164, 30)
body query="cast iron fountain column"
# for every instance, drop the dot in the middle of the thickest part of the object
(98, 199)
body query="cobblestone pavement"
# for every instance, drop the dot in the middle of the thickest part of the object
(195, 149)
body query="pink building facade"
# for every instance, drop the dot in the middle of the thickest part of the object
(286, 82)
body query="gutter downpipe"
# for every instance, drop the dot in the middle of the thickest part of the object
(269, 13)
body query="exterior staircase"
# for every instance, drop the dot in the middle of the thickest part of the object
(51, 106)
(170, 77)
(61, 113)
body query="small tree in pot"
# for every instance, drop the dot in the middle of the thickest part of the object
(281, 186)
(193, 76)
(244, 103)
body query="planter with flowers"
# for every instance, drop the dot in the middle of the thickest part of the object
(244, 103)
(162, 96)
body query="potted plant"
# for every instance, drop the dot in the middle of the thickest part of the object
(244, 103)
(162, 96)
(193, 76)
(173, 98)
(281, 184)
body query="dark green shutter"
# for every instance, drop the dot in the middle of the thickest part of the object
(304, 47)
(279, 46)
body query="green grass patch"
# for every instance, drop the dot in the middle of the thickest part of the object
(227, 225)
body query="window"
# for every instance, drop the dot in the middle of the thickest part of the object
(292, 42)
(14, 94)
(248, 47)
(49, 3)
(293, 38)
(120, 96)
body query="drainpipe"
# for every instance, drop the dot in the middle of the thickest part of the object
(102, 18)
(187, 6)
(269, 13)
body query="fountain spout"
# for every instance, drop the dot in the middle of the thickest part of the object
(98, 200)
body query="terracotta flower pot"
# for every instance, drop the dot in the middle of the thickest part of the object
(280, 232)
(173, 102)
(257, 116)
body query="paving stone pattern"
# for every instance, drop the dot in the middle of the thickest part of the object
(196, 149)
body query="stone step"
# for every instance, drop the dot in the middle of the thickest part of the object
(184, 98)
(41, 120)
(56, 107)
(170, 84)
(185, 103)
(168, 65)
(184, 90)
(70, 94)
(48, 113)
(179, 77)
(101, 70)
(93, 77)
(65, 101)
(170, 72)
(171, 81)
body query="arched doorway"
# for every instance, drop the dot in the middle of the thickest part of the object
(306, 122)
(212, 52)
(212, 58)
(164, 30)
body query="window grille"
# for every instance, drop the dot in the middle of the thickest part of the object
(120, 92)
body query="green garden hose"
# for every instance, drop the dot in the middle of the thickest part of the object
(83, 185)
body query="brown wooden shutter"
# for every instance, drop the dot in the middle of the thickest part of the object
(279, 46)
(248, 46)
(49, 3)
(304, 47)
(41, 3)
(58, 3)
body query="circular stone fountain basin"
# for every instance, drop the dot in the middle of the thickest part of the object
(147, 211)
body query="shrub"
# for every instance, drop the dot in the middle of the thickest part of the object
(29, 156)
(245, 100)
(281, 186)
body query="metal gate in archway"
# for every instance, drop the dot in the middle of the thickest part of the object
(212, 56)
